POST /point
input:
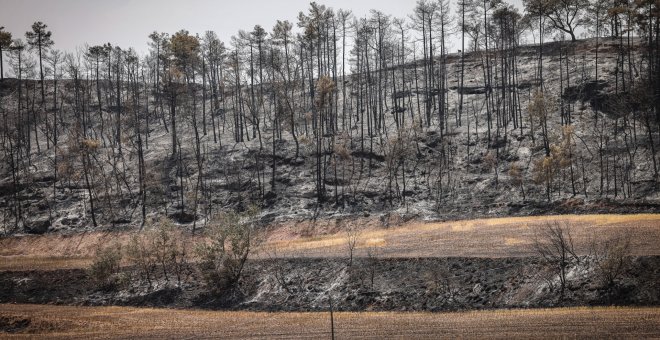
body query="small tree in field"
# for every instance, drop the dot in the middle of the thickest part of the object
(231, 237)
(161, 249)
(170, 249)
(105, 267)
(554, 244)
(352, 237)
(613, 257)
(140, 256)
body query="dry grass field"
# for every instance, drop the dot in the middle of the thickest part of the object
(45, 321)
(495, 237)
(53, 251)
(35, 262)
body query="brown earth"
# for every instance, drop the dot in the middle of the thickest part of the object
(45, 321)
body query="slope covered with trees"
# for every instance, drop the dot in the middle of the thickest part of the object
(336, 115)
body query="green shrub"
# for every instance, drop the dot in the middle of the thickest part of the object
(161, 249)
(105, 269)
(230, 239)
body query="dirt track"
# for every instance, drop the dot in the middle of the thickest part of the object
(496, 237)
(46, 321)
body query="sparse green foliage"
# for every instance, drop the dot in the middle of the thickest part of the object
(231, 237)
(140, 256)
(106, 266)
(160, 249)
(170, 249)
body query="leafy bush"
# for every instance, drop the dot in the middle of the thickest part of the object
(160, 249)
(230, 239)
(140, 257)
(104, 271)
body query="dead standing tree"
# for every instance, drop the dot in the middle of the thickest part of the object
(613, 257)
(352, 237)
(325, 88)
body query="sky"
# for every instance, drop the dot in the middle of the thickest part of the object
(127, 23)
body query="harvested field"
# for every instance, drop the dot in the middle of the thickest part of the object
(44, 321)
(495, 237)
(36, 262)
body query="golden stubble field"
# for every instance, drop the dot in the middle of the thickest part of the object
(63, 322)
(494, 237)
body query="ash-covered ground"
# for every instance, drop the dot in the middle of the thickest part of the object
(425, 172)
(416, 284)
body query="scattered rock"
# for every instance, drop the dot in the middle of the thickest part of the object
(37, 226)
(182, 217)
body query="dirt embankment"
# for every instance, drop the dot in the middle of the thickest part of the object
(419, 284)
